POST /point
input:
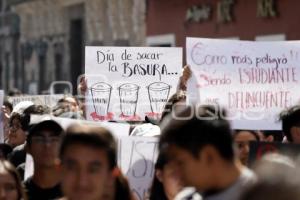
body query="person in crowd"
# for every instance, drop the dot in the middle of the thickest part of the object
(278, 179)
(11, 187)
(20, 124)
(89, 165)
(43, 145)
(199, 141)
(7, 106)
(16, 135)
(6, 111)
(82, 91)
(270, 135)
(14, 92)
(290, 119)
(68, 107)
(242, 139)
(5, 149)
(166, 183)
(265, 167)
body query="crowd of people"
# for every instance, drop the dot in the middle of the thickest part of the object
(200, 157)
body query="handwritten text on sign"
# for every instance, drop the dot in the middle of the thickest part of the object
(137, 156)
(128, 83)
(246, 76)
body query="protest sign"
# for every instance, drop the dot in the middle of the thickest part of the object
(129, 83)
(255, 81)
(49, 100)
(259, 149)
(1, 118)
(117, 129)
(136, 158)
(29, 167)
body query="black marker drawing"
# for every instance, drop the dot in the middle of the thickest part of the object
(128, 94)
(158, 93)
(101, 93)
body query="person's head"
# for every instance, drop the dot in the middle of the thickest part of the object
(290, 119)
(88, 156)
(242, 138)
(271, 135)
(11, 187)
(166, 182)
(20, 119)
(16, 132)
(8, 106)
(199, 140)
(273, 190)
(43, 142)
(278, 179)
(14, 92)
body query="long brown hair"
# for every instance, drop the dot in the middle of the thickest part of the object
(8, 167)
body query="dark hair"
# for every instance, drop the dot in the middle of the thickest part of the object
(24, 117)
(47, 125)
(122, 191)
(157, 191)
(8, 167)
(9, 105)
(5, 150)
(14, 92)
(96, 137)
(238, 131)
(175, 98)
(196, 127)
(277, 134)
(290, 118)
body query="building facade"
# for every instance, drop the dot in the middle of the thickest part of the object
(51, 36)
(170, 22)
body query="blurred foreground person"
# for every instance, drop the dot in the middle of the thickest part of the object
(242, 138)
(43, 145)
(278, 179)
(166, 182)
(200, 143)
(11, 187)
(89, 165)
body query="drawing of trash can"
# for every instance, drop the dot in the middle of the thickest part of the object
(128, 93)
(158, 95)
(101, 93)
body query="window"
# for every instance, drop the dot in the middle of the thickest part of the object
(167, 40)
(275, 37)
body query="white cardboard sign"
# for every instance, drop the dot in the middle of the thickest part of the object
(49, 100)
(136, 158)
(129, 83)
(255, 81)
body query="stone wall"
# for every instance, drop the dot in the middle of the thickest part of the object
(45, 33)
